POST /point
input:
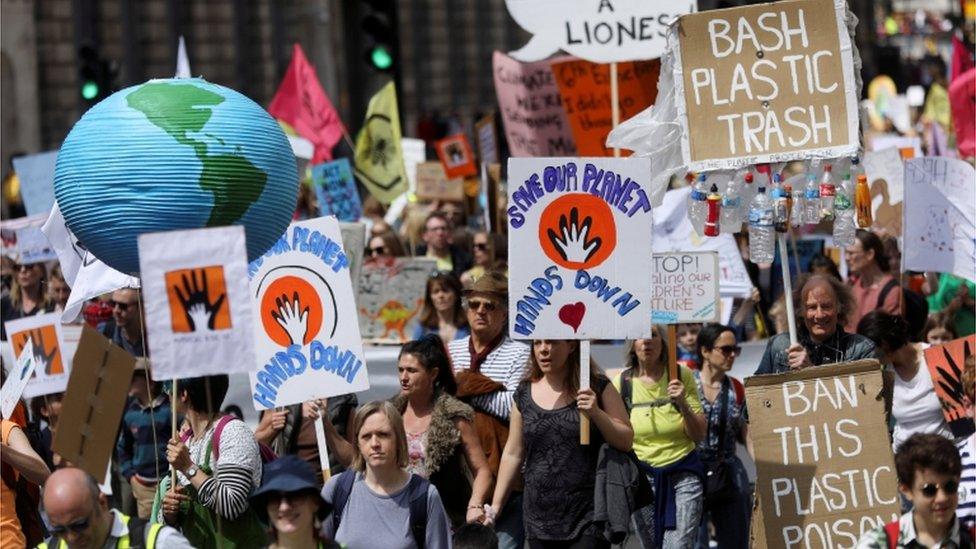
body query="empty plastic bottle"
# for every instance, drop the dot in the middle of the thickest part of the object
(862, 202)
(844, 227)
(714, 204)
(731, 215)
(762, 239)
(811, 200)
(828, 190)
(698, 205)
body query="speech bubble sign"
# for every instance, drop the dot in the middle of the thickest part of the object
(606, 31)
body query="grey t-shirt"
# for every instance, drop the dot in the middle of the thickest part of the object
(373, 520)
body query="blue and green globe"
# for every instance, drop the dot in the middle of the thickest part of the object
(174, 154)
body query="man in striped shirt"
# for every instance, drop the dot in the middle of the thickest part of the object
(490, 359)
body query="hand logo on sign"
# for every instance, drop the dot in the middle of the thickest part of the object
(44, 348)
(572, 245)
(951, 382)
(201, 310)
(292, 318)
(44, 358)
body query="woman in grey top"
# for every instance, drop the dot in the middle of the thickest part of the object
(373, 504)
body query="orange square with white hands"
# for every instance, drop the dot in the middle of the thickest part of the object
(46, 350)
(198, 300)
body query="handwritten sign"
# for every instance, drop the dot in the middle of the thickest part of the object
(391, 296)
(940, 217)
(685, 288)
(581, 226)
(17, 380)
(946, 364)
(44, 335)
(433, 183)
(456, 156)
(306, 338)
(335, 189)
(766, 83)
(531, 108)
(585, 91)
(825, 469)
(602, 32)
(198, 311)
(23, 239)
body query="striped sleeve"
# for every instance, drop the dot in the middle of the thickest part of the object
(508, 365)
(966, 510)
(226, 492)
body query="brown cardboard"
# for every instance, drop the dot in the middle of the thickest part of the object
(850, 411)
(758, 64)
(433, 184)
(101, 374)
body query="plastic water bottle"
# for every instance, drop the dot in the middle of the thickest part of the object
(828, 190)
(714, 203)
(796, 205)
(811, 200)
(761, 233)
(731, 216)
(781, 208)
(698, 205)
(844, 227)
(747, 192)
(862, 202)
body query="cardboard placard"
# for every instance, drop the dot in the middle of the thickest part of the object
(306, 338)
(686, 288)
(491, 175)
(456, 156)
(585, 91)
(581, 227)
(414, 152)
(531, 108)
(886, 179)
(391, 296)
(23, 240)
(433, 183)
(335, 189)
(825, 468)
(946, 363)
(487, 139)
(93, 404)
(53, 362)
(766, 83)
(198, 309)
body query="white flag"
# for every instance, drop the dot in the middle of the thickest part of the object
(182, 61)
(87, 276)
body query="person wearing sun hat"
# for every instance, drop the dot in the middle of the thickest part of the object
(288, 501)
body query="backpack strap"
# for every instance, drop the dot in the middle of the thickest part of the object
(891, 285)
(341, 496)
(627, 389)
(215, 439)
(418, 488)
(892, 531)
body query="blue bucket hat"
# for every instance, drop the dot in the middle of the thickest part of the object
(289, 475)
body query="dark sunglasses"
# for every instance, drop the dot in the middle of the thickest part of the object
(375, 251)
(477, 305)
(950, 488)
(729, 349)
(77, 527)
(481, 246)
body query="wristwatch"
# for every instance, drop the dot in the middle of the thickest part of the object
(191, 472)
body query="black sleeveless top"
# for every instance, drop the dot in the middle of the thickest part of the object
(559, 472)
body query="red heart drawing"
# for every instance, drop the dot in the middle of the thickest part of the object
(572, 315)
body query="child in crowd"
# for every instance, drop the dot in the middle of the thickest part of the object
(938, 329)
(688, 345)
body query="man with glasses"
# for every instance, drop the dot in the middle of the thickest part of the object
(125, 328)
(438, 246)
(928, 469)
(81, 519)
(489, 366)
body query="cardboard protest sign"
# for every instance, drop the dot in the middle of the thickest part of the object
(946, 363)
(306, 336)
(487, 139)
(581, 226)
(825, 468)
(585, 91)
(17, 379)
(53, 363)
(433, 183)
(531, 108)
(685, 288)
(335, 189)
(414, 152)
(23, 240)
(766, 83)
(940, 216)
(196, 298)
(491, 175)
(391, 296)
(601, 32)
(886, 179)
(36, 175)
(456, 156)
(92, 407)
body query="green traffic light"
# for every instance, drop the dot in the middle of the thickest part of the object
(381, 58)
(89, 90)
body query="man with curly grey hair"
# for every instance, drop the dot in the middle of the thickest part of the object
(823, 303)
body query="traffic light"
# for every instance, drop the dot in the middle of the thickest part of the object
(382, 43)
(95, 75)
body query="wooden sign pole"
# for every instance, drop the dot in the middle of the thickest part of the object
(584, 377)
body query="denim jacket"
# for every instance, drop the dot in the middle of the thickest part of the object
(841, 347)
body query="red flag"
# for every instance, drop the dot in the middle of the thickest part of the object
(962, 60)
(301, 103)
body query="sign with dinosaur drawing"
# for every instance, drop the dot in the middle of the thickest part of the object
(391, 294)
(306, 343)
(583, 230)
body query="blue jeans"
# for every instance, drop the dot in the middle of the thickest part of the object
(509, 527)
(688, 500)
(731, 519)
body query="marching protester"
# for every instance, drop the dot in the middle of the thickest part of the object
(288, 501)
(938, 329)
(667, 420)
(125, 329)
(915, 406)
(442, 313)
(955, 298)
(45, 411)
(58, 290)
(484, 251)
(28, 296)
(489, 367)
(823, 303)
(377, 503)
(385, 245)
(687, 345)
(81, 518)
(728, 496)
(19, 460)
(543, 442)
(438, 246)
(218, 464)
(928, 469)
(872, 287)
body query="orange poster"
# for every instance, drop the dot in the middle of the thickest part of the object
(946, 363)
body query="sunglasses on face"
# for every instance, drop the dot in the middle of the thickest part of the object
(480, 246)
(950, 488)
(729, 349)
(477, 304)
(76, 527)
(380, 250)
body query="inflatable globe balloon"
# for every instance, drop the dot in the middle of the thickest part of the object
(174, 154)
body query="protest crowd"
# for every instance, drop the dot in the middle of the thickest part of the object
(502, 434)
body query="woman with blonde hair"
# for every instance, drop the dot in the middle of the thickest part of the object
(376, 503)
(27, 296)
